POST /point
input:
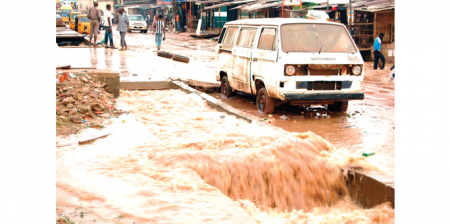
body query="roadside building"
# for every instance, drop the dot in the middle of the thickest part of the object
(365, 20)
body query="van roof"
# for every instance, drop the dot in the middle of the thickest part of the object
(277, 21)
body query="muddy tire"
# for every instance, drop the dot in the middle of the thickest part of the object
(264, 103)
(225, 88)
(164, 54)
(340, 106)
(177, 57)
(145, 31)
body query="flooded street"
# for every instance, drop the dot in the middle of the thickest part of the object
(369, 128)
(174, 159)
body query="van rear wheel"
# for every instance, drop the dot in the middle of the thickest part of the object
(340, 106)
(225, 88)
(264, 103)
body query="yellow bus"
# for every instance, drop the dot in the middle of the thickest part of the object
(65, 13)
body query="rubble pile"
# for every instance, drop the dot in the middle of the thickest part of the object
(82, 99)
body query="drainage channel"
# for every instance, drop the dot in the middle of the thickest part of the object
(367, 189)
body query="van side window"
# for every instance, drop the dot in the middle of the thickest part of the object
(268, 39)
(221, 35)
(230, 36)
(247, 37)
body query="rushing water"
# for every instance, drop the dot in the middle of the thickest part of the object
(175, 159)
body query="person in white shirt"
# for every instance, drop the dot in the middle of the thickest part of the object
(108, 27)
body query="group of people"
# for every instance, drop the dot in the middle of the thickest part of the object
(94, 15)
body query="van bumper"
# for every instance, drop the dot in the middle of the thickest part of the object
(324, 97)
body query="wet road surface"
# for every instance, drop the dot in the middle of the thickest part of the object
(371, 127)
(87, 175)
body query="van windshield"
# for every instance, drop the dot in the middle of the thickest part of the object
(136, 18)
(316, 38)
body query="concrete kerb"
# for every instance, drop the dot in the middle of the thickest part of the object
(213, 102)
(366, 189)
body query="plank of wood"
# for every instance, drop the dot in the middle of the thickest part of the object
(63, 67)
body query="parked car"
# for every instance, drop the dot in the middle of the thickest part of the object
(59, 21)
(137, 22)
(295, 61)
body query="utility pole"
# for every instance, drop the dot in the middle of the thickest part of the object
(328, 3)
(174, 9)
(350, 6)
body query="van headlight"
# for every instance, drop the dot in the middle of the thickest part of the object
(290, 70)
(356, 70)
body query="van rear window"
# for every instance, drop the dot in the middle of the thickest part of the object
(315, 38)
(230, 36)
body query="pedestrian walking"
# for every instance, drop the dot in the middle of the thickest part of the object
(159, 31)
(108, 27)
(94, 16)
(178, 23)
(122, 26)
(377, 52)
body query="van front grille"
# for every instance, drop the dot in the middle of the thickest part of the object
(324, 86)
(323, 72)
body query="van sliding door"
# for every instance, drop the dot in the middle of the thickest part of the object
(242, 59)
(265, 57)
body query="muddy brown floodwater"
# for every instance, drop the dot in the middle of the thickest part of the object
(370, 127)
(176, 160)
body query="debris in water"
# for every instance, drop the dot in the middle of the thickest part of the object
(284, 117)
(368, 154)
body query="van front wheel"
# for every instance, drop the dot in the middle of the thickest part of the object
(225, 88)
(338, 106)
(264, 103)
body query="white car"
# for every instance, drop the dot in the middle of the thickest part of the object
(295, 61)
(137, 22)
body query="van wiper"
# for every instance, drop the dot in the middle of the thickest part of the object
(317, 37)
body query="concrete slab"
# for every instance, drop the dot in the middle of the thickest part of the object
(149, 85)
(369, 189)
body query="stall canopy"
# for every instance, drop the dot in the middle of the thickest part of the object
(228, 4)
(361, 5)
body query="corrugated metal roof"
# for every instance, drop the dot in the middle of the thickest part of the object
(264, 6)
(228, 3)
(278, 21)
(356, 4)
